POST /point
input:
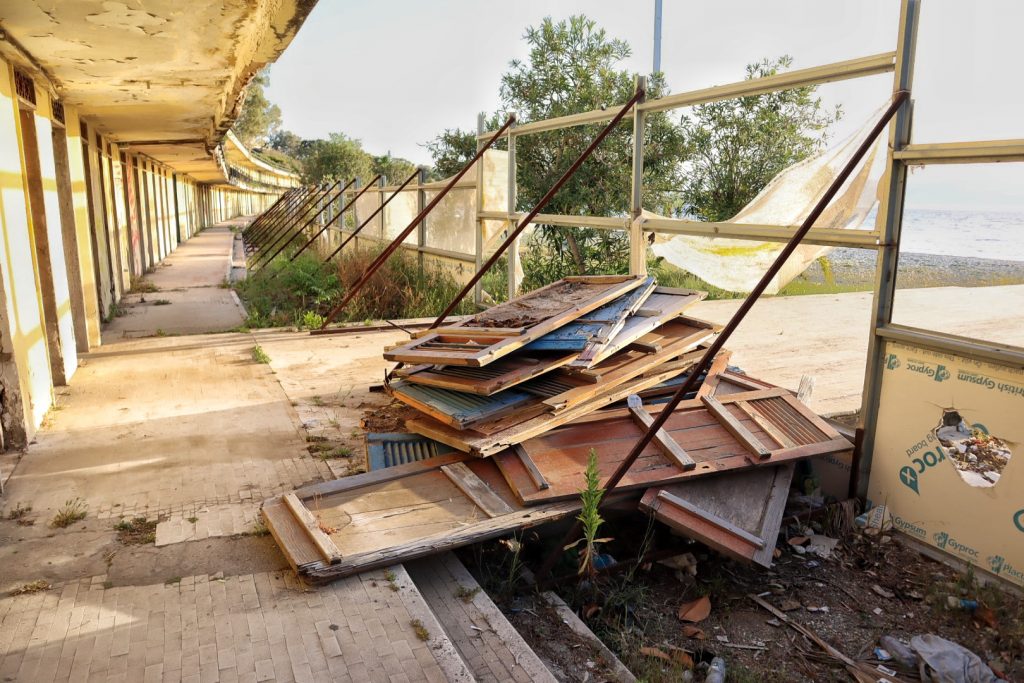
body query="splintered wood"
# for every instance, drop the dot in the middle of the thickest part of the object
(508, 406)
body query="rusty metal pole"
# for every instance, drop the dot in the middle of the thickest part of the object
(310, 221)
(298, 206)
(272, 224)
(271, 210)
(390, 249)
(286, 228)
(691, 381)
(372, 216)
(540, 205)
(341, 214)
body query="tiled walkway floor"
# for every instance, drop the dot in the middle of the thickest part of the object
(261, 627)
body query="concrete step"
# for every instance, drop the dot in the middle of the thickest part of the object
(486, 641)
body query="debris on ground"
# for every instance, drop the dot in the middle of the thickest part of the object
(492, 429)
(497, 425)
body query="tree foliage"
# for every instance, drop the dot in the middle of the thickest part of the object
(707, 164)
(259, 119)
(735, 147)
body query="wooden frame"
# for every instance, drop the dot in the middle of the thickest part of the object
(472, 343)
(561, 455)
(400, 513)
(739, 515)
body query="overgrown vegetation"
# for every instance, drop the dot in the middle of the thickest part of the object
(73, 510)
(300, 293)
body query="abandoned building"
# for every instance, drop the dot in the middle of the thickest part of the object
(189, 495)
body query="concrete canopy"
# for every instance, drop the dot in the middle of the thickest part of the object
(154, 70)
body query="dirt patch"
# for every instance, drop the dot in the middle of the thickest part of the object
(535, 308)
(869, 587)
(388, 418)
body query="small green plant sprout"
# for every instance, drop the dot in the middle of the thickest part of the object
(590, 518)
(72, 511)
(466, 594)
(259, 355)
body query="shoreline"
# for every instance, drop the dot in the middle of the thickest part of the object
(850, 270)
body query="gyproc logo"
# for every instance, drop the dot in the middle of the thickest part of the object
(946, 542)
(939, 373)
(1018, 520)
(892, 362)
(909, 478)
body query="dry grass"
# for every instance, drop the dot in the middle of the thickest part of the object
(137, 531)
(32, 587)
(72, 511)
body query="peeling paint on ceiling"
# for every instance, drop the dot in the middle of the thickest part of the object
(154, 69)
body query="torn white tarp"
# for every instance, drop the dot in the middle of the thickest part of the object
(736, 265)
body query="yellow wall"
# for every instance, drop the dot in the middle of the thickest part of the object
(23, 306)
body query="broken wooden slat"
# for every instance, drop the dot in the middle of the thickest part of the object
(597, 326)
(670, 448)
(475, 489)
(735, 427)
(739, 515)
(531, 467)
(322, 541)
(501, 374)
(661, 306)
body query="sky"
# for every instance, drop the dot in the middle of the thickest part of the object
(395, 74)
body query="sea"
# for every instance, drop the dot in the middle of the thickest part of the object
(950, 232)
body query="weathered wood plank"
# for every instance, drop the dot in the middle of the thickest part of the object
(735, 427)
(475, 489)
(311, 525)
(665, 442)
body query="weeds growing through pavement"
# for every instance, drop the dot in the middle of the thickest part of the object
(259, 355)
(136, 531)
(420, 630)
(72, 511)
